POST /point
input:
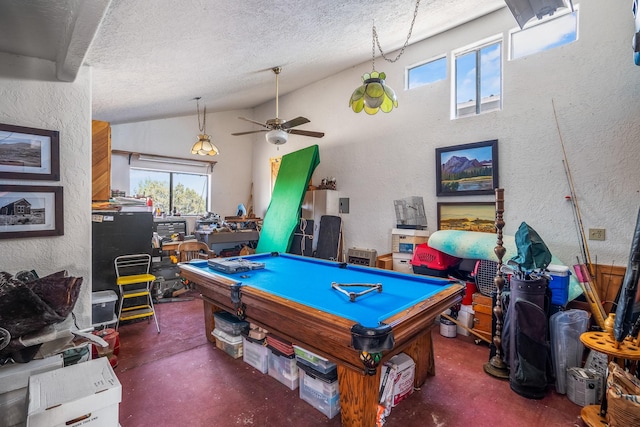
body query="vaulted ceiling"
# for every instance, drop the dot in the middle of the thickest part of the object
(150, 58)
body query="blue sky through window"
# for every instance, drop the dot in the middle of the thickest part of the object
(427, 73)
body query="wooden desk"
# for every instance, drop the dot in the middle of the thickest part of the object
(216, 237)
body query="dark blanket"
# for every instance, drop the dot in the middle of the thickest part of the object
(26, 308)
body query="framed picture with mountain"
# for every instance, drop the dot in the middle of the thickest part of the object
(29, 153)
(467, 169)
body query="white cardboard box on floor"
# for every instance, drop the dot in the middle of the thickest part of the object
(14, 380)
(84, 394)
(403, 381)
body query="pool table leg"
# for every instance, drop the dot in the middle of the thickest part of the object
(421, 351)
(358, 397)
(209, 321)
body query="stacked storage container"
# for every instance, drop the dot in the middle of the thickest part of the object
(228, 333)
(404, 242)
(255, 352)
(282, 361)
(318, 382)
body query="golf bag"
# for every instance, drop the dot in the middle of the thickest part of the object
(525, 337)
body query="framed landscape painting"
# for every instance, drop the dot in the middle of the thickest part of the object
(29, 153)
(473, 216)
(467, 169)
(30, 211)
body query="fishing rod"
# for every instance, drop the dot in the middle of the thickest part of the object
(574, 201)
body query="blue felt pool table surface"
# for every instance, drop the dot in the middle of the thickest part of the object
(308, 281)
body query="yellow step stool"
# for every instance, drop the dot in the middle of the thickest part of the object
(134, 281)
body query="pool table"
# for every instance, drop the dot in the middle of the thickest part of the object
(293, 297)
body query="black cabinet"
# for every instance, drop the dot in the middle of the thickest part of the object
(114, 234)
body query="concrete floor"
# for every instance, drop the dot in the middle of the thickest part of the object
(178, 378)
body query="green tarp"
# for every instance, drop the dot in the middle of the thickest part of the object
(283, 213)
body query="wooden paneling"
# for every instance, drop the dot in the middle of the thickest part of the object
(100, 161)
(609, 278)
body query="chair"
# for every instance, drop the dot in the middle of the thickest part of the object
(194, 250)
(134, 281)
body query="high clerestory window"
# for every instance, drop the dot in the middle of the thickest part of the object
(477, 86)
(549, 33)
(426, 72)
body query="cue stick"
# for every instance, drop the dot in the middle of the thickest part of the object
(485, 339)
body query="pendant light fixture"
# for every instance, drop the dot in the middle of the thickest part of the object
(374, 94)
(203, 145)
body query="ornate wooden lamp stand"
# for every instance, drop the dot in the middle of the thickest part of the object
(496, 366)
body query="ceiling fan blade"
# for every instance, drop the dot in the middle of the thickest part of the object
(248, 132)
(306, 133)
(295, 122)
(252, 121)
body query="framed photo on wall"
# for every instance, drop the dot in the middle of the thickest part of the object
(30, 211)
(29, 153)
(467, 169)
(472, 216)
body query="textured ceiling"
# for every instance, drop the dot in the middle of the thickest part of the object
(150, 58)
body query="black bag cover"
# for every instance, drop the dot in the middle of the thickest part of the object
(525, 338)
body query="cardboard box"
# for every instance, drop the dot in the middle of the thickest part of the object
(405, 369)
(14, 382)
(466, 319)
(387, 374)
(86, 394)
(402, 263)
(385, 261)
(406, 240)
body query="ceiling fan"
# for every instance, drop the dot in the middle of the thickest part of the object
(277, 129)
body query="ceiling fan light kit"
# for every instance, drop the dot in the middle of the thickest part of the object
(203, 145)
(277, 136)
(374, 95)
(278, 130)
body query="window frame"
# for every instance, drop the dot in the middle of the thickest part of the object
(475, 47)
(538, 24)
(171, 173)
(413, 66)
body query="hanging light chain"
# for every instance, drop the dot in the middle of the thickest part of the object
(406, 42)
(202, 127)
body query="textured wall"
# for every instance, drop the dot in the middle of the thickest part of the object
(377, 159)
(65, 107)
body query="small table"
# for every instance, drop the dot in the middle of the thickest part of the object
(603, 342)
(293, 298)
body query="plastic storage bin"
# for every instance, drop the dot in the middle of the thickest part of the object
(284, 369)
(230, 324)
(566, 347)
(318, 363)
(231, 344)
(322, 395)
(103, 307)
(256, 355)
(559, 284)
